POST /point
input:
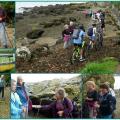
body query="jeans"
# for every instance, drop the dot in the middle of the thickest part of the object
(3, 36)
(2, 91)
(107, 117)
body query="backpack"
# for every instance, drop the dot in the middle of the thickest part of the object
(75, 111)
(75, 34)
(90, 31)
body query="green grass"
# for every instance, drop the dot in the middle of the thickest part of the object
(105, 66)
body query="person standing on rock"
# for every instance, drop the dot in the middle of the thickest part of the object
(66, 36)
(62, 107)
(3, 36)
(21, 91)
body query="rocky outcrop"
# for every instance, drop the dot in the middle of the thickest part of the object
(34, 34)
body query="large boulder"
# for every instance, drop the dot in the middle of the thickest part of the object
(35, 34)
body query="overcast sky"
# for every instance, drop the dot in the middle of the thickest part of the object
(32, 4)
(31, 78)
(41, 77)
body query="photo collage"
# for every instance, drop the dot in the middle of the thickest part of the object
(59, 60)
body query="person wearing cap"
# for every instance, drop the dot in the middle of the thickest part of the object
(16, 106)
(24, 98)
(2, 85)
(62, 107)
(3, 36)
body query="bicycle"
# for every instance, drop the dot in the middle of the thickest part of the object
(75, 57)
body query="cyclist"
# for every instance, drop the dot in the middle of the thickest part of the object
(79, 43)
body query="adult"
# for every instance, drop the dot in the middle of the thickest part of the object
(92, 35)
(66, 36)
(2, 85)
(111, 90)
(107, 103)
(24, 98)
(62, 107)
(71, 27)
(16, 105)
(80, 42)
(91, 98)
(3, 36)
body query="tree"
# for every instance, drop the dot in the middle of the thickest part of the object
(9, 8)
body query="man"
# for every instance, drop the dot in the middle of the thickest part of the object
(16, 106)
(21, 91)
(2, 85)
(107, 103)
(3, 36)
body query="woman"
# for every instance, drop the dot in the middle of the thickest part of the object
(91, 98)
(66, 36)
(62, 107)
(21, 91)
(16, 105)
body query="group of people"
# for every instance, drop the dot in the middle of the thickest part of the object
(75, 34)
(2, 86)
(100, 101)
(20, 102)
(3, 35)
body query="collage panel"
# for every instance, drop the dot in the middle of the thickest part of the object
(7, 24)
(5, 81)
(101, 96)
(46, 96)
(51, 41)
(65, 96)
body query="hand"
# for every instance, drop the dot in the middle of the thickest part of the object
(24, 109)
(0, 19)
(97, 105)
(60, 113)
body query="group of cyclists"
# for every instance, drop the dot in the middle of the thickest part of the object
(76, 35)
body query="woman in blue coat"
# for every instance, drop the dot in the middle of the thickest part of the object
(16, 105)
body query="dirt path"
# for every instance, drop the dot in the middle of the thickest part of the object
(58, 61)
(4, 105)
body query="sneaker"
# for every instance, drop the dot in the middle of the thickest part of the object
(82, 59)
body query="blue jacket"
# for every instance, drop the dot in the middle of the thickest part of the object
(22, 94)
(16, 104)
(80, 39)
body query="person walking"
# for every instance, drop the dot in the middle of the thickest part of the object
(3, 36)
